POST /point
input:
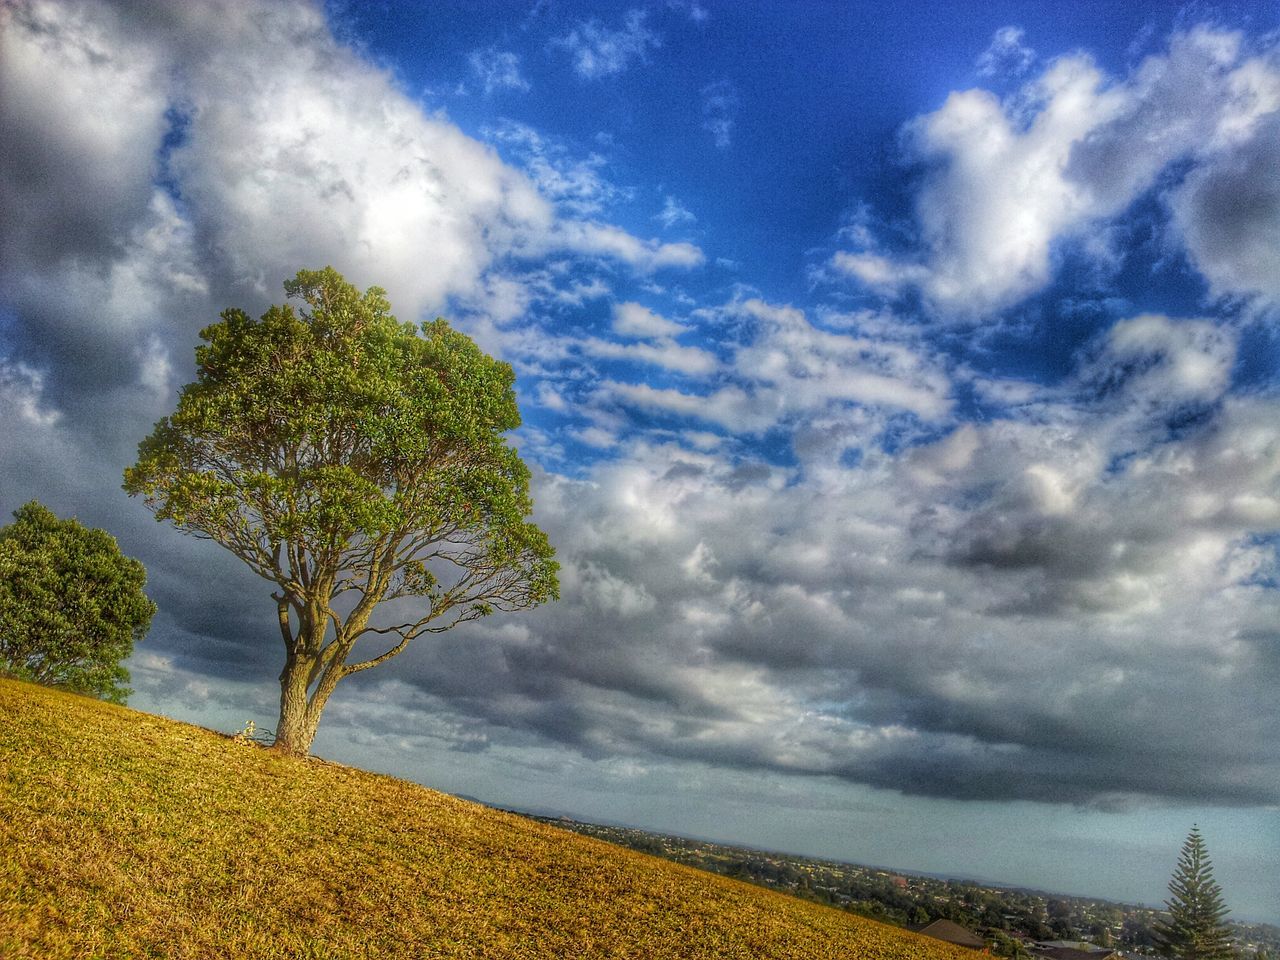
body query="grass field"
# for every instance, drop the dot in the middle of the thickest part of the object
(124, 834)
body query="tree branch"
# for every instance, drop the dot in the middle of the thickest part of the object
(381, 658)
(282, 612)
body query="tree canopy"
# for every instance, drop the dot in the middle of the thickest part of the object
(71, 604)
(1195, 928)
(352, 461)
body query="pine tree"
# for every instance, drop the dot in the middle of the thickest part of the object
(1194, 929)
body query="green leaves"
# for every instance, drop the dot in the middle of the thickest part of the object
(71, 604)
(343, 406)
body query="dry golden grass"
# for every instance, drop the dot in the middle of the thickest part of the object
(128, 835)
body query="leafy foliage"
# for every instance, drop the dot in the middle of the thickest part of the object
(1195, 928)
(350, 460)
(71, 604)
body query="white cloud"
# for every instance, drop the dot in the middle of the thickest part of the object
(155, 369)
(20, 393)
(663, 352)
(701, 439)
(719, 105)
(810, 368)
(1007, 53)
(607, 591)
(599, 51)
(497, 70)
(880, 273)
(786, 370)
(730, 407)
(1161, 362)
(598, 437)
(646, 256)
(371, 184)
(989, 216)
(694, 10)
(1012, 180)
(634, 320)
(576, 185)
(673, 213)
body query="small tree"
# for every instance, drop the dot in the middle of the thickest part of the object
(1194, 929)
(351, 461)
(71, 604)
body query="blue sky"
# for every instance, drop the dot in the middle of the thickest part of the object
(900, 385)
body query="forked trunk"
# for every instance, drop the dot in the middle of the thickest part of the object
(300, 706)
(294, 733)
(296, 728)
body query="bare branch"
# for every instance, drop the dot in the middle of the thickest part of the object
(382, 658)
(282, 612)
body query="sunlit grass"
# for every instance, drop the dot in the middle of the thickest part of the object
(127, 835)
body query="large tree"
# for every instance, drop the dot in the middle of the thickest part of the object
(1194, 929)
(358, 464)
(71, 604)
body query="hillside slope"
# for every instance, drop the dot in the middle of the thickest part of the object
(124, 834)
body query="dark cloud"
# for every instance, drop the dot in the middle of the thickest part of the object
(81, 115)
(1228, 212)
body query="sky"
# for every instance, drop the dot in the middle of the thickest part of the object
(900, 382)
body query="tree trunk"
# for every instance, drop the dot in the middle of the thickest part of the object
(300, 706)
(296, 727)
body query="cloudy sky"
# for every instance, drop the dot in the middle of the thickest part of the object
(902, 389)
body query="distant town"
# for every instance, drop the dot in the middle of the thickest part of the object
(1007, 921)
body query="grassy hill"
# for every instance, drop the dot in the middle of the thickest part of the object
(128, 835)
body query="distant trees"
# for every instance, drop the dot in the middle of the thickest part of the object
(351, 461)
(71, 604)
(1003, 945)
(1194, 929)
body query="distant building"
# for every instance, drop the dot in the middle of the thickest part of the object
(951, 933)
